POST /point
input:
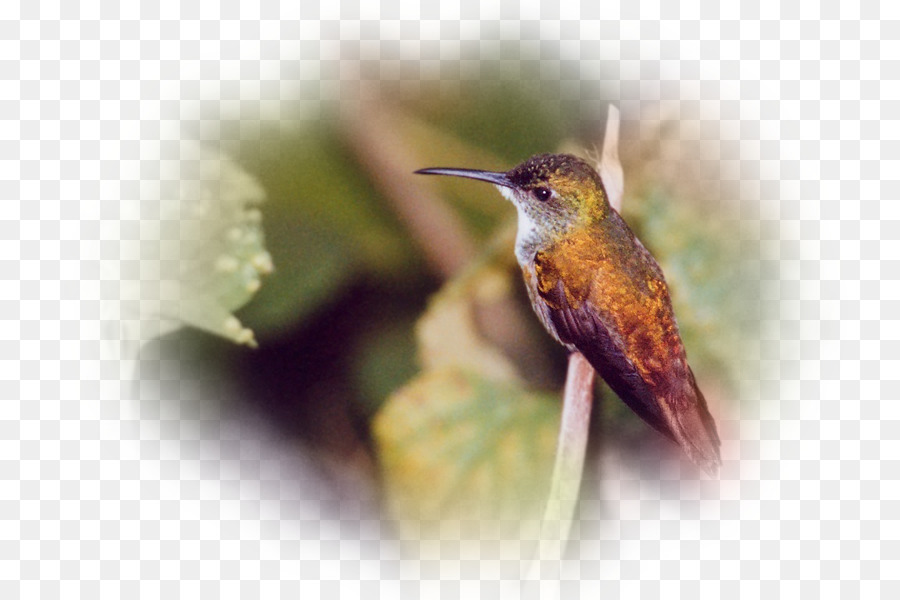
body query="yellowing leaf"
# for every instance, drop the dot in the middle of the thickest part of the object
(466, 456)
(448, 334)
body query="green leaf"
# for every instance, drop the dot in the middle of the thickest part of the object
(462, 450)
(448, 334)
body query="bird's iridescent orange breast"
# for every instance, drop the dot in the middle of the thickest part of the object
(623, 288)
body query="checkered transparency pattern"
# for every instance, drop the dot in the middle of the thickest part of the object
(116, 489)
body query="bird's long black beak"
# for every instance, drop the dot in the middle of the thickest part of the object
(489, 176)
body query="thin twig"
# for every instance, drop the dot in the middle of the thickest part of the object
(610, 167)
(577, 399)
(439, 232)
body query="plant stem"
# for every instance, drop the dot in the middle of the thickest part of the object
(610, 167)
(566, 481)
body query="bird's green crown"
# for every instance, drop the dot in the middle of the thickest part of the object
(558, 190)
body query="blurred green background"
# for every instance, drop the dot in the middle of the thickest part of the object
(395, 340)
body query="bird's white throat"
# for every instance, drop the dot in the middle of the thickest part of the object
(526, 233)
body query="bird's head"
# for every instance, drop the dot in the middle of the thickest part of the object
(552, 192)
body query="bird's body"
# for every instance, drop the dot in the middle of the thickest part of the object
(598, 291)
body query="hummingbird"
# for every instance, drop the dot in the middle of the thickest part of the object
(598, 291)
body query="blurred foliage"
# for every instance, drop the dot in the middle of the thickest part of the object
(322, 222)
(448, 333)
(442, 395)
(210, 252)
(467, 443)
(459, 449)
(383, 359)
(510, 120)
(329, 227)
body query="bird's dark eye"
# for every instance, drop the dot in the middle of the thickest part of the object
(543, 194)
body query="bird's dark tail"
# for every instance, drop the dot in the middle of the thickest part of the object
(694, 428)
